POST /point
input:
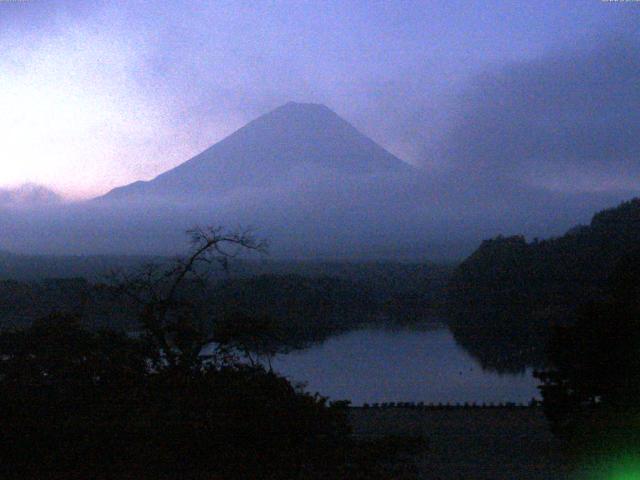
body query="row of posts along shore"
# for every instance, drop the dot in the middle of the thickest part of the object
(533, 403)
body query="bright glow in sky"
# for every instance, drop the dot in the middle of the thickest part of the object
(73, 114)
(98, 94)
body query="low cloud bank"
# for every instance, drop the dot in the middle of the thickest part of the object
(567, 121)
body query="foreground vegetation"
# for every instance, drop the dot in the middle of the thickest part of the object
(96, 403)
(592, 383)
(81, 404)
(78, 404)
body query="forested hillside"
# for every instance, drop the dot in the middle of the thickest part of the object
(321, 299)
(506, 294)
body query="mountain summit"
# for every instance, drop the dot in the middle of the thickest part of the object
(293, 141)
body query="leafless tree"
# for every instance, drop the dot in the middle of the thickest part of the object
(164, 293)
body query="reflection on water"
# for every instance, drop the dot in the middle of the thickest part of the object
(401, 365)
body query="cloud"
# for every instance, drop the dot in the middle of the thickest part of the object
(28, 195)
(567, 121)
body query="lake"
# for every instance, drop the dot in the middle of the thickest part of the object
(407, 365)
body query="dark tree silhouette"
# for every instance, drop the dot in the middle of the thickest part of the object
(592, 386)
(257, 338)
(165, 292)
(79, 403)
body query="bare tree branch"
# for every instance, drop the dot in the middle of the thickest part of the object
(156, 288)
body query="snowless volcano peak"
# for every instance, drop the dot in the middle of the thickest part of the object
(303, 108)
(294, 137)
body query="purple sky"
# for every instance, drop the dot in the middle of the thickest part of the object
(98, 94)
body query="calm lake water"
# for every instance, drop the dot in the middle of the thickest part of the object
(378, 365)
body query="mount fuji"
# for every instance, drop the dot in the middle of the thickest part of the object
(291, 144)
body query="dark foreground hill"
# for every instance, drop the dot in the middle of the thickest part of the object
(509, 291)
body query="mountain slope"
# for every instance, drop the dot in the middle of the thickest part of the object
(292, 142)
